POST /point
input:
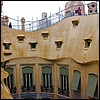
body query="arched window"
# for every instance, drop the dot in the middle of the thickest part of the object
(63, 89)
(47, 78)
(92, 86)
(10, 80)
(27, 73)
(76, 81)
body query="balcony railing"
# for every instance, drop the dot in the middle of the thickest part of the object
(13, 90)
(29, 89)
(63, 92)
(46, 89)
(31, 26)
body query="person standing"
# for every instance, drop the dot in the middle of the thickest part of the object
(79, 11)
(10, 26)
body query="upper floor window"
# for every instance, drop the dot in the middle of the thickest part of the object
(58, 44)
(45, 34)
(88, 40)
(75, 22)
(7, 46)
(33, 45)
(87, 43)
(20, 38)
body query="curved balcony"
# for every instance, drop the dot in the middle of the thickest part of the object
(47, 89)
(63, 92)
(29, 89)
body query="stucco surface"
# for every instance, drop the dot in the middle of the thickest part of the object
(72, 38)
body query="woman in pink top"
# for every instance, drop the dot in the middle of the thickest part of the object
(79, 11)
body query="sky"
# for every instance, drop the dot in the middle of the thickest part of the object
(29, 9)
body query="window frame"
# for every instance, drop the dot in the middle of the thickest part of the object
(76, 78)
(91, 86)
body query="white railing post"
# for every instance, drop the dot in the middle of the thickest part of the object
(18, 22)
(32, 24)
(59, 14)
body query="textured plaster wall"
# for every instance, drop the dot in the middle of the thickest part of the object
(72, 52)
(72, 37)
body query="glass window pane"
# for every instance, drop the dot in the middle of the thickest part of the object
(75, 81)
(91, 87)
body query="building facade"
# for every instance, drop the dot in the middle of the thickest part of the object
(57, 62)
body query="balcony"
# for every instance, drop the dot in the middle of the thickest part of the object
(13, 90)
(63, 92)
(29, 89)
(47, 89)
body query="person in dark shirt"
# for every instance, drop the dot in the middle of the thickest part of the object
(10, 26)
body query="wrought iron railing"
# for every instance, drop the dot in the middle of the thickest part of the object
(46, 89)
(29, 89)
(63, 92)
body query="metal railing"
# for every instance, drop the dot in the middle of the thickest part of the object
(31, 26)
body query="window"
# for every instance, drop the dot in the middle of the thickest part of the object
(45, 34)
(20, 38)
(92, 86)
(87, 43)
(58, 44)
(47, 79)
(7, 46)
(76, 81)
(33, 45)
(9, 81)
(27, 73)
(64, 86)
(75, 22)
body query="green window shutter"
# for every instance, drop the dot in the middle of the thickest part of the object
(75, 81)
(63, 71)
(9, 70)
(91, 87)
(27, 70)
(47, 70)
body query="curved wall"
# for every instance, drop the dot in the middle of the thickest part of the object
(72, 38)
(72, 54)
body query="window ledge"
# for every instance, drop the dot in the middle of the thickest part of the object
(58, 49)
(86, 48)
(20, 41)
(33, 49)
(7, 52)
(45, 38)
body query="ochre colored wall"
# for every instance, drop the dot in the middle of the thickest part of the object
(72, 53)
(72, 37)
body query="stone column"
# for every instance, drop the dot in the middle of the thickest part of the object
(18, 83)
(23, 23)
(55, 81)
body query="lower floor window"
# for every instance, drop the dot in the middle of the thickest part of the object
(27, 80)
(47, 82)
